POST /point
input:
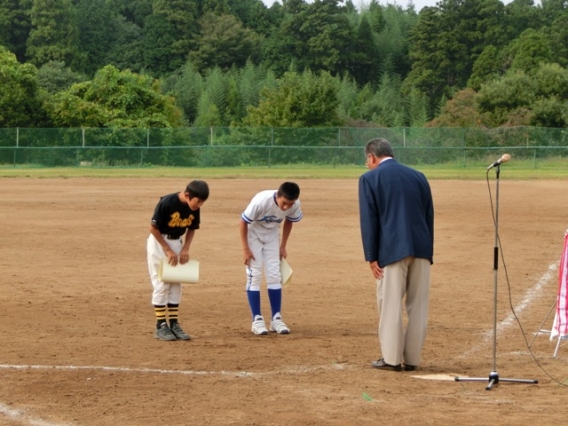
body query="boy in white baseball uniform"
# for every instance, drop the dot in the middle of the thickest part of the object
(173, 224)
(263, 247)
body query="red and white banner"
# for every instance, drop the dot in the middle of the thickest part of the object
(560, 325)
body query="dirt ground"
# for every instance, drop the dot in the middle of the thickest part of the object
(76, 331)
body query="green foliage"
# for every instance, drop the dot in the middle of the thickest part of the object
(224, 42)
(300, 100)
(97, 31)
(15, 25)
(558, 38)
(181, 15)
(158, 40)
(389, 65)
(507, 97)
(54, 35)
(20, 97)
(528, 51)
(487, 67)
(55, 77)
(115, 99)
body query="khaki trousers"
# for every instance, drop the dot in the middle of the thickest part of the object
(411, 277)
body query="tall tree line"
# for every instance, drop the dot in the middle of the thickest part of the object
(237, 62)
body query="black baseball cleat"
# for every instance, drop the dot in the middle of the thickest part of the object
(408, 367)
(178, 332)
(380, 364)
(164, 333)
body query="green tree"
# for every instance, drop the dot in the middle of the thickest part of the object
(158, 38)
(417, 108)
(507, 97)
(134, 11)
(182, 15)
(217, 7)
(487, 67)
(528, 51)
(186, 86)
(254, 15)
(54, 77)
(54, 35)
(207, 113)
(300, 100)
(315, 36)
(126, 52)
(15, 25)
(224, 43)
(329, 38)
(115, 99)
(21, 102)
(447, 41)
(521, 15)
(365, 55)
(97, 32)
(550, 112)
(392, 42)
(557, 35)
(169, 35)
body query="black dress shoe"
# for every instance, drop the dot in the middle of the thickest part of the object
(408, 367)
(382, 365)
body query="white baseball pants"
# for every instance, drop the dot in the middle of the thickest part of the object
(163, 293)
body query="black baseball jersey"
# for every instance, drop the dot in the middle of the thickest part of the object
(172, 217)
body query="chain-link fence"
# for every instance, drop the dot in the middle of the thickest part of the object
(238, 146)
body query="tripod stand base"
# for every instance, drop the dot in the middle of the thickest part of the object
(494, 379)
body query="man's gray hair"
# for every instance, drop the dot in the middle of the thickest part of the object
(379, 147)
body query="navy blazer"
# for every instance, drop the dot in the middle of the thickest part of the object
(397, 214)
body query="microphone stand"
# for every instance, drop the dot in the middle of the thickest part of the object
(493, 375)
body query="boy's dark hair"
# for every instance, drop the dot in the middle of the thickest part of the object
(379, 147)
(289, 190)
(198, 188)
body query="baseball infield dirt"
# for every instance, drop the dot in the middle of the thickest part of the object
(77, 345)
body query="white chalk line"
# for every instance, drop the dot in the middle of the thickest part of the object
(20, 416)
(291, 370)
(530, 295)
(23, 418)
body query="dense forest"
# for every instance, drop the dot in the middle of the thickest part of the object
(171, 63)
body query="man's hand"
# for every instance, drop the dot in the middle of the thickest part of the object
(376, 269)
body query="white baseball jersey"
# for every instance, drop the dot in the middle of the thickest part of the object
(264, 216)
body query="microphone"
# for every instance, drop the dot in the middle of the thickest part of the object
(504, 158)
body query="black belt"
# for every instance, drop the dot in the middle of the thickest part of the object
(172, 237)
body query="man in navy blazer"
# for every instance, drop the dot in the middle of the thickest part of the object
(397, 228)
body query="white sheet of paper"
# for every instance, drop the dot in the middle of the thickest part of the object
(187, 273)
(285, 272)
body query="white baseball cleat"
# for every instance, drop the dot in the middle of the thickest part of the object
(278, 325)
(258, 326)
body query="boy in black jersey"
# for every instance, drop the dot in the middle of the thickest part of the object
(173, 225)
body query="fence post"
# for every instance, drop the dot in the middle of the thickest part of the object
(83, 136)
(271, 145)
(17, 144)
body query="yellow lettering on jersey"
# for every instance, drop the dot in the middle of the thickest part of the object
(177, 222)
